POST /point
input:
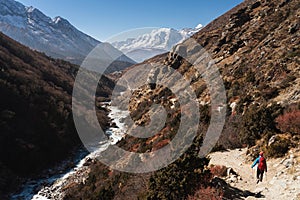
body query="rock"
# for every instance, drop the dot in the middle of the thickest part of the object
(181, 50)
(289, 163)
(296, 138)
(219, 59)
(194, 50)
(272, 140)
(218, 182)
(232, 179)
(293, 28)
(238, 19)
(230, 171)
(255, 5)
(279, 173)
(88, 161)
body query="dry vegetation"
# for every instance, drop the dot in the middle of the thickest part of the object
(255, 46)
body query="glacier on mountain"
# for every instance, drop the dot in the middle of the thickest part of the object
(157, 41)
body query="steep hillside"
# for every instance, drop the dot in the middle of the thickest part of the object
(36, 122)
(57, 36)
(256, 48)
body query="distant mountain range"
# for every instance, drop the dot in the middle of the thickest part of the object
(56, 37)
(156, 42)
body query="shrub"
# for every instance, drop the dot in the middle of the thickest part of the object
(230, 138)
(181, 178)
(250, 76)
(218, 170)
(270, 92)
(207, 193)
(278, 148)
(289, 122)
(258, 121)
(287, 81)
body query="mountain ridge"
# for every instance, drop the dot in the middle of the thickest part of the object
(158, 41)
(57, 37)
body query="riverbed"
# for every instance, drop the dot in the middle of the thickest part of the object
(51, 185)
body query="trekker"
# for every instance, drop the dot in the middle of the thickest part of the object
(262, 166)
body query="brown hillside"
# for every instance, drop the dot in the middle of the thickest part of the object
(256, 48)
(36, 124)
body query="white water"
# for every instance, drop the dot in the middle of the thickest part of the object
(51, 188)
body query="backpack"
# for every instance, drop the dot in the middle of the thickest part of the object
(262, 163)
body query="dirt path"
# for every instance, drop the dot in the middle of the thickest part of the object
(282, 180)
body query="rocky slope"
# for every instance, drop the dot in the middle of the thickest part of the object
(37, 128)
(56, 37)
(256, 48)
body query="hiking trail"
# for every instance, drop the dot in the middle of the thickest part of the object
(282, 181)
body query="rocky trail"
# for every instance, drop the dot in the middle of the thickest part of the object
(282, 181)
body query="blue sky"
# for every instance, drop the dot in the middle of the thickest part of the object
(103, 18)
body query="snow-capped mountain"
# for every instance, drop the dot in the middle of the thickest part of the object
(56, 37)
(156, 42)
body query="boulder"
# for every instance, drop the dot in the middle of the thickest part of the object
(230, 171)
(272, 140)
(232, 179)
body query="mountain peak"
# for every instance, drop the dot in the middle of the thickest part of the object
(56, 37)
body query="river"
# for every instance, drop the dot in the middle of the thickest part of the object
(51, 185)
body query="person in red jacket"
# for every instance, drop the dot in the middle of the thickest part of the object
(262, 166)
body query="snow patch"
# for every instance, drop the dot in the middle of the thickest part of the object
(199, 26)
(56, 20)
(30, 9)
(30, 21)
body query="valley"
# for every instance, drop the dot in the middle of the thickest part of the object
(162, 137)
